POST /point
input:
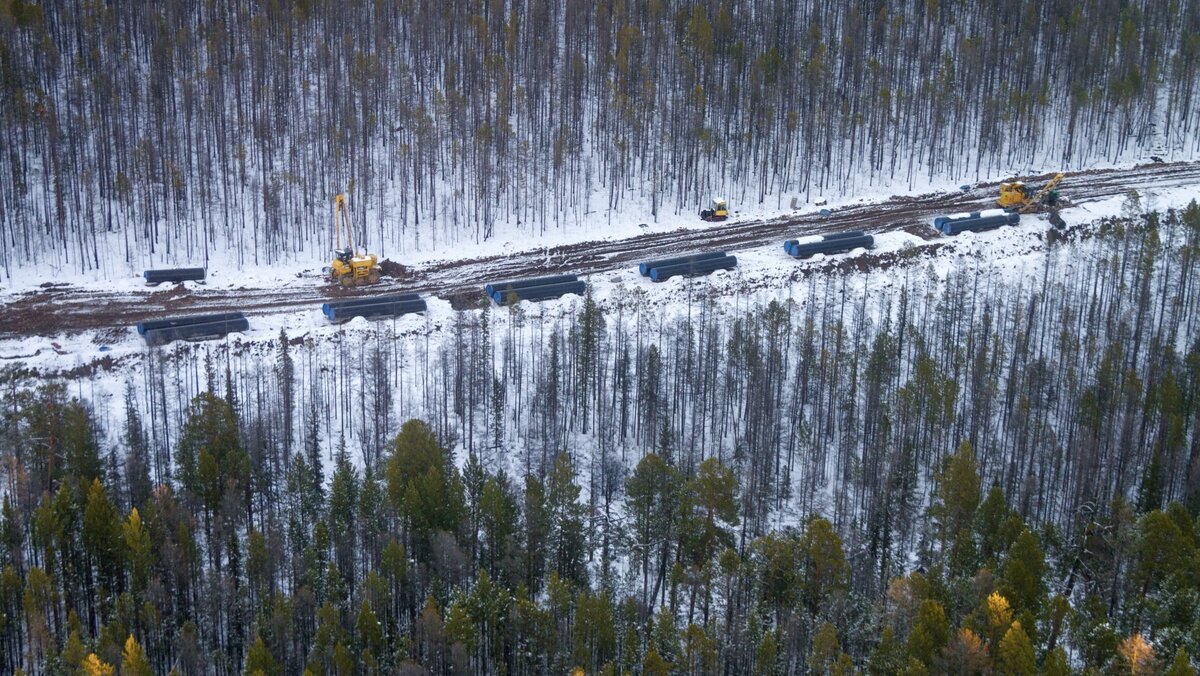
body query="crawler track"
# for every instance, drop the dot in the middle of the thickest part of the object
(58, 309)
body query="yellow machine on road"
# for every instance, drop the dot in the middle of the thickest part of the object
(1017, 195)
(350, 268)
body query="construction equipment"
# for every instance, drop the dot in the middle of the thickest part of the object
(1019, 198)
(718, 212)
(350, 267)
(1016, 195)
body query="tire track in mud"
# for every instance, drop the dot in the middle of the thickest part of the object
(54, 309)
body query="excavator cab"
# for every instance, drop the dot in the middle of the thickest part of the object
(350, 268)
(719, 210)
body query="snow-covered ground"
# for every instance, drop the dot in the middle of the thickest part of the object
(231, 264)
(98, 365)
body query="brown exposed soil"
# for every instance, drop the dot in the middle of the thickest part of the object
(56, 308)
(395, 270)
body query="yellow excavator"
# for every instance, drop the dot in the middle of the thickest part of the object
(1018, 197)
(350, 267)
(718, 211)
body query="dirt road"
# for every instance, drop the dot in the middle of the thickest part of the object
(55, 309)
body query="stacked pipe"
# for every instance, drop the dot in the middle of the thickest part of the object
(539, 288)
(376, 306)
(163, 331)
(833, 243)
(975, 221)
(174, 275)
(689, 266)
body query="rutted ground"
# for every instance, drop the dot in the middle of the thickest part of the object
(58, 308)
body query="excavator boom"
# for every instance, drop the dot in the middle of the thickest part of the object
(349, 267)
(341, 219)
(1040, 195)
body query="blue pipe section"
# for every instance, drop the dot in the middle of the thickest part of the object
(492, 289)
(844, 235)
(692, 268)
(174, 275)
(368, 300)
(645, 268)
(336, 312)
(828, 246)
(535, 293)
(974, 222)
(194, 328)
(156, 324)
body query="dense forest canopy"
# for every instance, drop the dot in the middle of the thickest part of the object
(976, 473)
(144, 131)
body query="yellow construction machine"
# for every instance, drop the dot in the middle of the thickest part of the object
(1017, 195)
(718, 212)
(350, 267)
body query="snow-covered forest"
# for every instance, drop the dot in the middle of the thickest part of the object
(138, 132)
(972, 455)
(977, 472)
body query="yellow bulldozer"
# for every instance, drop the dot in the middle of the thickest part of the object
(350, 267)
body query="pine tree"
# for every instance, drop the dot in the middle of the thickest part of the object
(1181, 665)
(137, 460)
(498, 510)
(825, 649)
(1022, 573)
(133, 659)
(73, 651)
(654, 665)
(823, 569)
(665, 635)
(285, 372)
(1056, 663)
(260, 661)
(566, 539)
(315, 484)
(699, 650)
(774, 560)
(81, 452)
(424, 486)
(343, 661)
(651, 498)
(989, 521)
(140, 550)
(956, 498)
(343, 507)
(710, 506)
(369, 636)
(1016, 656)
(210, 457)
(766, 659)
(594, 634)
(537, 530)
(102, 537)
(888, 655)
(1162, 551)
(929, 634)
